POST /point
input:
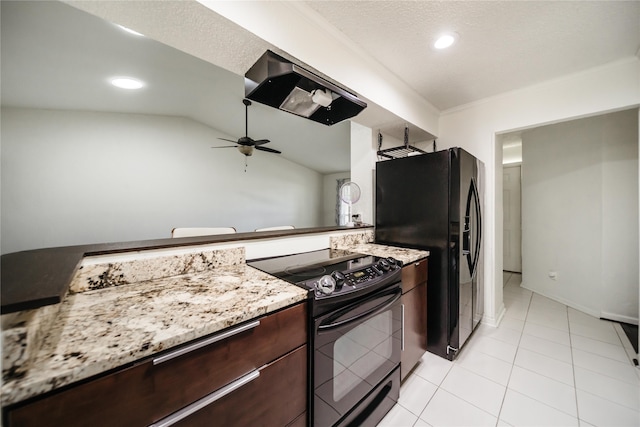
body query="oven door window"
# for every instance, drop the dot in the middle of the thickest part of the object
(358, 353)
(355, 348)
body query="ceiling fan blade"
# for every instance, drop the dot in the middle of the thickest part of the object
(270, 150)
(260, 141)
(230, 140)
(226, 146)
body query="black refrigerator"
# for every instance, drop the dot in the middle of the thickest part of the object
(433, 202)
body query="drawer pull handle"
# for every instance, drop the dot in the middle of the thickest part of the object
(207, 400)
(205, 342)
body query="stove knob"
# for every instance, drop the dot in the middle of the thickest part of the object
(325, 285)
(384, 265)
(339, 279)
(394, 263)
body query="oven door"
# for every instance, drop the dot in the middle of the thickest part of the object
(355, 348)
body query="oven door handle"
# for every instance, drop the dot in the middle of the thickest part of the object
(363, 316)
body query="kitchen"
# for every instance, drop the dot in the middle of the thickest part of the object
(611, 98)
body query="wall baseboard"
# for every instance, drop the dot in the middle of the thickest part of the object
(566, 302)
(494, 321)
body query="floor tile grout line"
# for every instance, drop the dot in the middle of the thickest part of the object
(599, 373)
(599, 340)
(550, 327)
(637, 383)
(573, 370)
(482, 376)
(526, 321)
(431, 398)
(513, 363)
(598, 354)
(610, 401)
(546, 376)
(466, 401)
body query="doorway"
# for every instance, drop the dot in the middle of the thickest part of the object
(512, 218)
(512, 202)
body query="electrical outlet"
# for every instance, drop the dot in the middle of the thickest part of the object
(553, 275)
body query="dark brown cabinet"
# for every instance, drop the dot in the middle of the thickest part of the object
(251, 374)
(414, 301)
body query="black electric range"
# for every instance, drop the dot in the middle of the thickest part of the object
(332, 276)
(355, 330)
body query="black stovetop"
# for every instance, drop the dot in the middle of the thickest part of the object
(302, 267)
(305, 266)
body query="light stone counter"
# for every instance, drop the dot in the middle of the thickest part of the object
(407, 256)
(101, 329)
(363, 243)
(118, 312)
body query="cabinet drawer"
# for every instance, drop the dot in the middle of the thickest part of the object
(275, 398)
(145, 393)
(179, 382)
(414, 274)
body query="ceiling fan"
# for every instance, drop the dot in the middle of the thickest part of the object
(245, 144)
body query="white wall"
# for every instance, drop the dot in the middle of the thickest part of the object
(83, 177)
(620, 251)
(474, 127)
(579, 210)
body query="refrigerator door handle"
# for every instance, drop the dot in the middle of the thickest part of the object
(478, 228)
(467, 230)
(466, 233)
(472, 255)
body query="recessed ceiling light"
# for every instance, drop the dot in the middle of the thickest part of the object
(445, 40)
(129, 30)
(127, 83)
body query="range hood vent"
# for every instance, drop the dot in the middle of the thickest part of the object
(279, 83)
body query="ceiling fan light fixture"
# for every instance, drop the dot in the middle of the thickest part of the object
(445, 40)
(247, 150)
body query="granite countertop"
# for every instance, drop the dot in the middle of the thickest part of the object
(407, 256)
(102, 329)
(122, 312)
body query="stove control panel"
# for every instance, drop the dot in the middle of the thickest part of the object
(328, 284)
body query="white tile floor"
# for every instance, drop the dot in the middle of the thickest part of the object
(545, 365)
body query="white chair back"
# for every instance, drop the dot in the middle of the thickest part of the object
(201, 231)
(279, 227)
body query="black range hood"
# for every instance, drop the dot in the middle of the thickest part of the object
(277, 82)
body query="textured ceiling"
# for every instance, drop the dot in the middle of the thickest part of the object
(502, 46)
